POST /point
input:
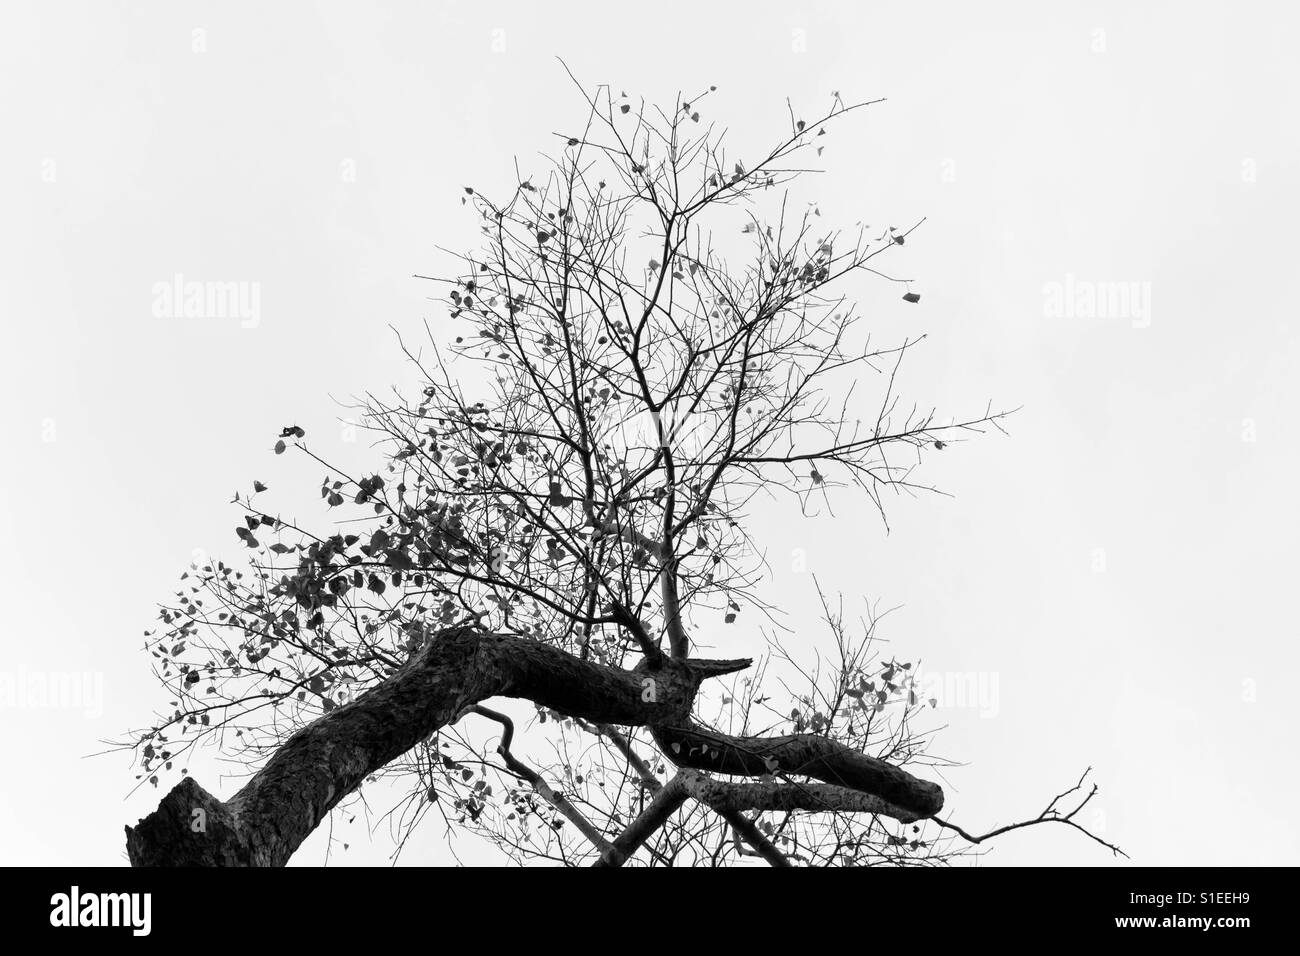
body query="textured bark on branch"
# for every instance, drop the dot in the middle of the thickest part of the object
(743, 826)
(807, 755)
(722, 795)
(270, 817)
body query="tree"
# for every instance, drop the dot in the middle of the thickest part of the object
(648, 337)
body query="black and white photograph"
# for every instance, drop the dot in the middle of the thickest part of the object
(507, 436)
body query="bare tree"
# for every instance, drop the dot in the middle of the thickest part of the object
(650, 335)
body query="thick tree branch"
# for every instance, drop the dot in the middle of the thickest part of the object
(743, 826)
(665, 803)
(319, 765)
(723, 795)
(699, 748)
(266, 821)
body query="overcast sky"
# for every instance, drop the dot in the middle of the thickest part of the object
(1110, 192)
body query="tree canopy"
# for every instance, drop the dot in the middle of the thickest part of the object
(651, 333)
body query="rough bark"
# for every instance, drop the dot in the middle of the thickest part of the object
(266, 821)
(743, 826)
(722, 795)
(801, 754)
(656, 813)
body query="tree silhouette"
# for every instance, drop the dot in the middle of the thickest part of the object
(648, 337)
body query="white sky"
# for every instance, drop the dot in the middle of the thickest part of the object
(1107, 142)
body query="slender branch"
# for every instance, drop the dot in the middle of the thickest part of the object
(1049, 815)
(522, 770)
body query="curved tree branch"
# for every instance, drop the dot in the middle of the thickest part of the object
(525, 772)
(267, 820)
